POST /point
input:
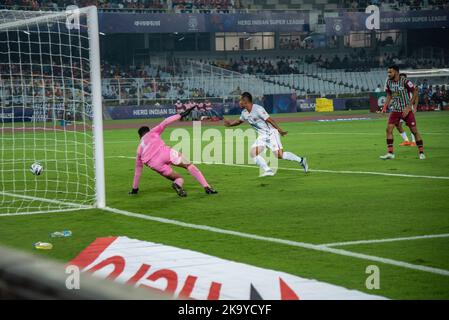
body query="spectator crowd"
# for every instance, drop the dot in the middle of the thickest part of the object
(432, 96)
(25, 83)
(133, 84)
(213, 5)
(131, 5)
(356, 60)
(360, 60)
(260, 65)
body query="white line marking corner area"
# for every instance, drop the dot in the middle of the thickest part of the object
(402, 175)
(316, 247)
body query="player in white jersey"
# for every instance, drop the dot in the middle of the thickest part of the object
(268, 134)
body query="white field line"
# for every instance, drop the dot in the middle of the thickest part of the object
(322, 248)
(75, 206)
(352, 134)
(46, 211)
(135, 141)
(404, 175)
(304, 245)
(348, 243)
(360, 133)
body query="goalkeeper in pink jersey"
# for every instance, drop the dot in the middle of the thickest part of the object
(154, 153)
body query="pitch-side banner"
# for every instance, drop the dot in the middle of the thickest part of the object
(118, 22)
(187, 274)
(140, 112)
(380, 20)
(38, 112)
(149, 111)
(324, 105)
(377, 100)
(280, 103)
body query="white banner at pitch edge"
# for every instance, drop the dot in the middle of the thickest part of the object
(187, 274)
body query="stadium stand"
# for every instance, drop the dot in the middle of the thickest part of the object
(125, 5)
(357, 60)
(303, 70)
(200, 81)
(201, 78)
(127, 85)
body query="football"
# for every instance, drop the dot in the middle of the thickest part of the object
(36, 168)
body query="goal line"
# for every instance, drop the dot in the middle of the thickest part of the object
(70, 206)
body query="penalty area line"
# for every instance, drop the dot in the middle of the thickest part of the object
(348, 243)
(321, 248)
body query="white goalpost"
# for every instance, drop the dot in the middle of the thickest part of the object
(50, 111)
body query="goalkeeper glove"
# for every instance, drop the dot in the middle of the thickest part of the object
(134, 191)
(187, 112)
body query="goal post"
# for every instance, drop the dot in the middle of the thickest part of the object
(95, 74)
(50, 111)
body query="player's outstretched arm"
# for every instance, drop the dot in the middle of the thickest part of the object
(137, 174)
(234, 123)
(274, 124)
(161, 126)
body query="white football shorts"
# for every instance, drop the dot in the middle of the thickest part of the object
(271, 141)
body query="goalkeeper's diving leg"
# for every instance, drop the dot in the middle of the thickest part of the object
(168, 157)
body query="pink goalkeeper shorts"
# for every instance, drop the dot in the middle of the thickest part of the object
(165, 157)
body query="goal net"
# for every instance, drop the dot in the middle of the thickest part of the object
(50, 111)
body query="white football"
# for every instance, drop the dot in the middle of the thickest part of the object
(36, 168)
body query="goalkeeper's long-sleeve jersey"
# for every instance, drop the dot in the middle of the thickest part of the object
(150, 145)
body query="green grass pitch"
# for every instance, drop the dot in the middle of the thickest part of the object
(317, 208)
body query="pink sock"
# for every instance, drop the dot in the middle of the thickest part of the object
(198, 175)
(179, 181)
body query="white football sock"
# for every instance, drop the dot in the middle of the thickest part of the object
(291, 156)
(404, 136)
(260, 161)
(413, 137)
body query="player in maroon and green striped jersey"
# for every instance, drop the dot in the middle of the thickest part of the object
(403, 134)
(398, 91)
